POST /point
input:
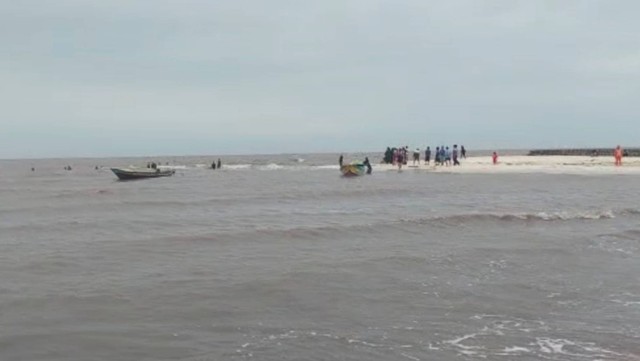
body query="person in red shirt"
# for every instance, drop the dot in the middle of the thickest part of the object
(495, 158)
(617, 154)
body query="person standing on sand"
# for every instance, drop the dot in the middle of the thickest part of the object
(400, 160)
(388, 155)
(447, 157)
(427, 156)
(219, 163)
(436, 159)
(455, 155)
(495, 158)
(340, 160)
(617, 154)
(416, 156)
(463, 152)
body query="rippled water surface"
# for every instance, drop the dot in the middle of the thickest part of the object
(279, 258)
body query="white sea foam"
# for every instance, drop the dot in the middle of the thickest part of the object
(364, 343)
(175, 167)
(577, 165)
(465, 349)
(485, 342)
(271, 166)
(516, 349)
(236, 166)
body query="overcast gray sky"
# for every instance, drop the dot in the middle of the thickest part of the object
(124, 77)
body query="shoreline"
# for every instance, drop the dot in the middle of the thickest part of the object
(587, 152)
(548, 164)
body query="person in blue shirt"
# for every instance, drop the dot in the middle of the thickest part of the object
(447, 156)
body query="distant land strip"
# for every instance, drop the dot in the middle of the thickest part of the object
(629, 152)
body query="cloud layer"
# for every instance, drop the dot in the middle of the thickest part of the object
(99, 78)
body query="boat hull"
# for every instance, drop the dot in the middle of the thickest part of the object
(352, 170)
(131, 174)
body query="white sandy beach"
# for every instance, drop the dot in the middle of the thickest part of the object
(529, 164)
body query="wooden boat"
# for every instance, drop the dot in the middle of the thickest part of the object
(141, 173)
(353, 170)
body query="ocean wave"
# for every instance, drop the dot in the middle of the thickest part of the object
(174, 167)
(524, 216)
(236, 166)
(436, 220)
(260, 167)
(336, 167)
(455, 219)
(380, 226)
(271, 166)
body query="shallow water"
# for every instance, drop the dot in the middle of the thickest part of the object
(277, 257)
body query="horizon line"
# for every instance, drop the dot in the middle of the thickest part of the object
(279, 153)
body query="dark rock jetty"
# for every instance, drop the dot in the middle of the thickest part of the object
(608, 152)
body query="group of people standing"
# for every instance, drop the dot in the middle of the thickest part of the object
(396, 155)
(443, 156)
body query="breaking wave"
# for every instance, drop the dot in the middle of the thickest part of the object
(281, 231)
(532, 216)
(298, 165)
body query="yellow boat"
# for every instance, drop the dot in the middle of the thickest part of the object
(353, 170)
